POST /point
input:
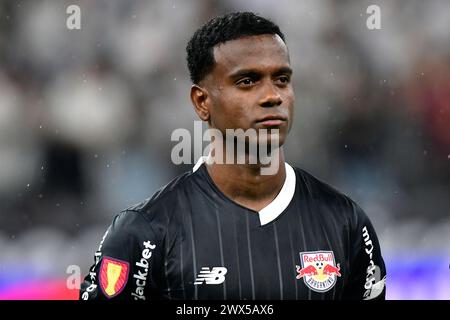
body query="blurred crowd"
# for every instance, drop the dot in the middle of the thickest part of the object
(86, 115)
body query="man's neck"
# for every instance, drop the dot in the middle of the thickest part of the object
(245, 185)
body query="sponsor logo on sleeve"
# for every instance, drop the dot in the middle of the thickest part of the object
(318, 270)
(113, 276)
(374, 285)
(92, 275)
(140, 277)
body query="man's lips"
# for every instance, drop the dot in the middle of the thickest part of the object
(271, 121)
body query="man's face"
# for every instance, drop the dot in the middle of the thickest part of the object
(250, 85)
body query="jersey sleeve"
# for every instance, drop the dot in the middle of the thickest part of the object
(127, 262)
(367, 279)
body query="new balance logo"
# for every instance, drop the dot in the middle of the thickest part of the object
(214, 276)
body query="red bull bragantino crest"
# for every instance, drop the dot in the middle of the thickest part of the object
(319, 270)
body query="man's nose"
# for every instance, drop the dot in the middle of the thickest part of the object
(270, 97)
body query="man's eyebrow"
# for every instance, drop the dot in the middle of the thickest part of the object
(244, 73)
(254, 72)
(283, 70)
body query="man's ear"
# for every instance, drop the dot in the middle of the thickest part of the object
(199, 98)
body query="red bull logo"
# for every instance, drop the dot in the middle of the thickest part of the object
(318, 270)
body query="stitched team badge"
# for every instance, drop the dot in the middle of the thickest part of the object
(319, 270)
(113, 276)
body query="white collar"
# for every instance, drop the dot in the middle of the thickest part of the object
(281, 201)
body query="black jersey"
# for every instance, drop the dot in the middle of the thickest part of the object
(190, 241)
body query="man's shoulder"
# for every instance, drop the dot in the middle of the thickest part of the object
(165, 198)
(324, 194)
(316, 189)
(148, 220)
(315, 185)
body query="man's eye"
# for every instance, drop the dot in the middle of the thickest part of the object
(246, 82)
(284, 79)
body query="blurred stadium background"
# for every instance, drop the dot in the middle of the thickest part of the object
(86, 117)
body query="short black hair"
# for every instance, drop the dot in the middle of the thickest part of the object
(231, 26)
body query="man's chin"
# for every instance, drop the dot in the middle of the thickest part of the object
(266, 145)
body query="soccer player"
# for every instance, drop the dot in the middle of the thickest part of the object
(226, 231)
